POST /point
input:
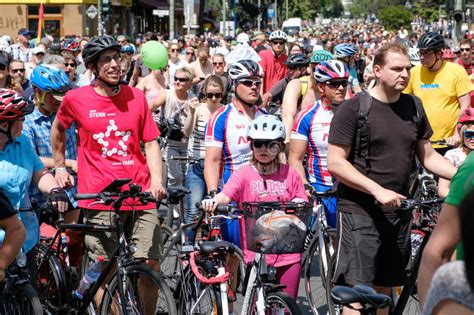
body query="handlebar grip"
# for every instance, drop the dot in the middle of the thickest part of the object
(86, 196)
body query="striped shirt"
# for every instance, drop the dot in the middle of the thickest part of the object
(196, 145)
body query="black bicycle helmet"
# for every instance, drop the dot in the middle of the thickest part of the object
(95, 47)
(431, 41)
(297, 60)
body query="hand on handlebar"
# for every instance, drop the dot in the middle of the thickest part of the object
(454, 140)
(388, 199)
(157, 191)
(63, 178)
(209, 205)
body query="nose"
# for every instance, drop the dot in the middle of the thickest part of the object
(113, 63)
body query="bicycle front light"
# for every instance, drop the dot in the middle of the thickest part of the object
(132, 248)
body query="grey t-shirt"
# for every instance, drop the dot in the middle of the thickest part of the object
(449, 282)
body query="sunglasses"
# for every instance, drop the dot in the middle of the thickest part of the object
(211, 95)
(465, 49)
(174, 50)
(426, 52)
(468, 134)
(17, 70)
(181, 79)
(72, 65)
(294, 67)
(40, 54)
(337, 84)
(250, 83)
(269, 144)
(278, 42)
(189, 53)
(218, 63)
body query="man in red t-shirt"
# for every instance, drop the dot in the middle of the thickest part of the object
(112, 120)
(466, 62)
(273, 60)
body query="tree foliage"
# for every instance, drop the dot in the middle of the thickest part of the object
(392, 17)
(302, 9)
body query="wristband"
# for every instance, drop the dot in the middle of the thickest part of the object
(60, 169)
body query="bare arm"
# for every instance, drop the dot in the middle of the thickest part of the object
(443, 187)
(141, 85)
(464, 102)
(295, 159)
(433, 161)
(446, 236)
(158, 101)
(212, 165)
(344, 171)
(190, 121)
(289, 106)
(49, 163)
(58, 144)
(45, 180)
(266, 99)
(135, 74)
(155, 166)
(15, 235)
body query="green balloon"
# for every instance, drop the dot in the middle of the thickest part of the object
(154, 55)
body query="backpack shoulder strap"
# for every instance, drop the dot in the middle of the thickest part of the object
(362, 139)
(304, 85)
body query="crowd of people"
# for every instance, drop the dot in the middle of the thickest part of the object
(346, 107)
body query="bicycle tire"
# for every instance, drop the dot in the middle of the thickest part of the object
(314, 287)
(170, 259)
(51, 280)
(275, 302)
(25, 300)
(134, 273)
(332, 309)
(241, 270)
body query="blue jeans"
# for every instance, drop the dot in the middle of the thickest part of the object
(196, 184)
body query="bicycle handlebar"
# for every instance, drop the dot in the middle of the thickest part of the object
(409, 204)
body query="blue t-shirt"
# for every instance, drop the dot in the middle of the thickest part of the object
(18, 163)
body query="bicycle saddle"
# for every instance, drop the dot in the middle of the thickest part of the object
(359, 294)
(175, 193)
(208, 247)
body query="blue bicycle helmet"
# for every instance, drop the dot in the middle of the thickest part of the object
(49, 78)
(128, 49)
(344, 50)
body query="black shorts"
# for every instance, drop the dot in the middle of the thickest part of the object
(373, 250)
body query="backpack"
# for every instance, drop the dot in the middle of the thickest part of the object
(362, 139)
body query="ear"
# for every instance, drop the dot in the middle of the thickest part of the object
(376, 70)
(320, 87)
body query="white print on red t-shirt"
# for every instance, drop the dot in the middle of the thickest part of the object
(106, 151)
(94, 114)
(274, 188)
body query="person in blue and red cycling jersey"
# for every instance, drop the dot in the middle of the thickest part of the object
(273, 60)
(227, 146)
(311, 130)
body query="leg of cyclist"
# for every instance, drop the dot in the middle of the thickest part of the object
(175, 168)
(196, 184)
(289, 275)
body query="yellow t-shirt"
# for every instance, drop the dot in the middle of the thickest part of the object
(439, 92)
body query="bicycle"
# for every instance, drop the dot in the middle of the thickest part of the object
(263, 293)
(17, 295)
(203, 283)
(369, 300)
(319, 249)
(425, 213)
(122, 272)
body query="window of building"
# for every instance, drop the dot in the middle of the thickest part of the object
(53, 19)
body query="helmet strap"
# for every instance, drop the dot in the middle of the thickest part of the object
(435, 62)
(40, 100)
(114, 86)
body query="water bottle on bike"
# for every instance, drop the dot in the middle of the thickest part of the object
(90, 277)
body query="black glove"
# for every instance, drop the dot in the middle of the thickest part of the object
(57, 194)
(211, 194)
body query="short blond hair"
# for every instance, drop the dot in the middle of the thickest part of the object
(187, 71)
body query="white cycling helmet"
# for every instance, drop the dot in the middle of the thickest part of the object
(266, 127)
(278, 35)
(414, 56)
(244, 69)
(3, 44)
(243, 38)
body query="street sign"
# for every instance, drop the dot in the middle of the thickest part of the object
(161, 12)
(92, 11)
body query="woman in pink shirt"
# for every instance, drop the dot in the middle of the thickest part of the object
(265, 179)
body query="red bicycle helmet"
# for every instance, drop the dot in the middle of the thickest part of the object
(467, 116)
(12, 105)
(71, 46)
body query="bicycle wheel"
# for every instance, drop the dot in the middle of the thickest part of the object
(196, 297)
(332, 308)
(51, 280)
(146, 292)
(315, 280)
(241, 270)
(25, 301)
(171, 248)
(275, 303)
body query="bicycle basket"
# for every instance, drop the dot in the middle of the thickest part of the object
(274, 228)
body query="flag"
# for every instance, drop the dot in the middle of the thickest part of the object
(40, 22)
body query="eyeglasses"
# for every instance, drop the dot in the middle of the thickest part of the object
(465, 49)
(269, 144)
(40, 54)
(108, 59)
(72, 65)
(468, 134)
(174, 50)
(218, 63)
(250, 83)
(426, 52)
(337, 84)
(211, 95)
(278, 42)
(3, 67)
(17, 70)
(181, 79)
